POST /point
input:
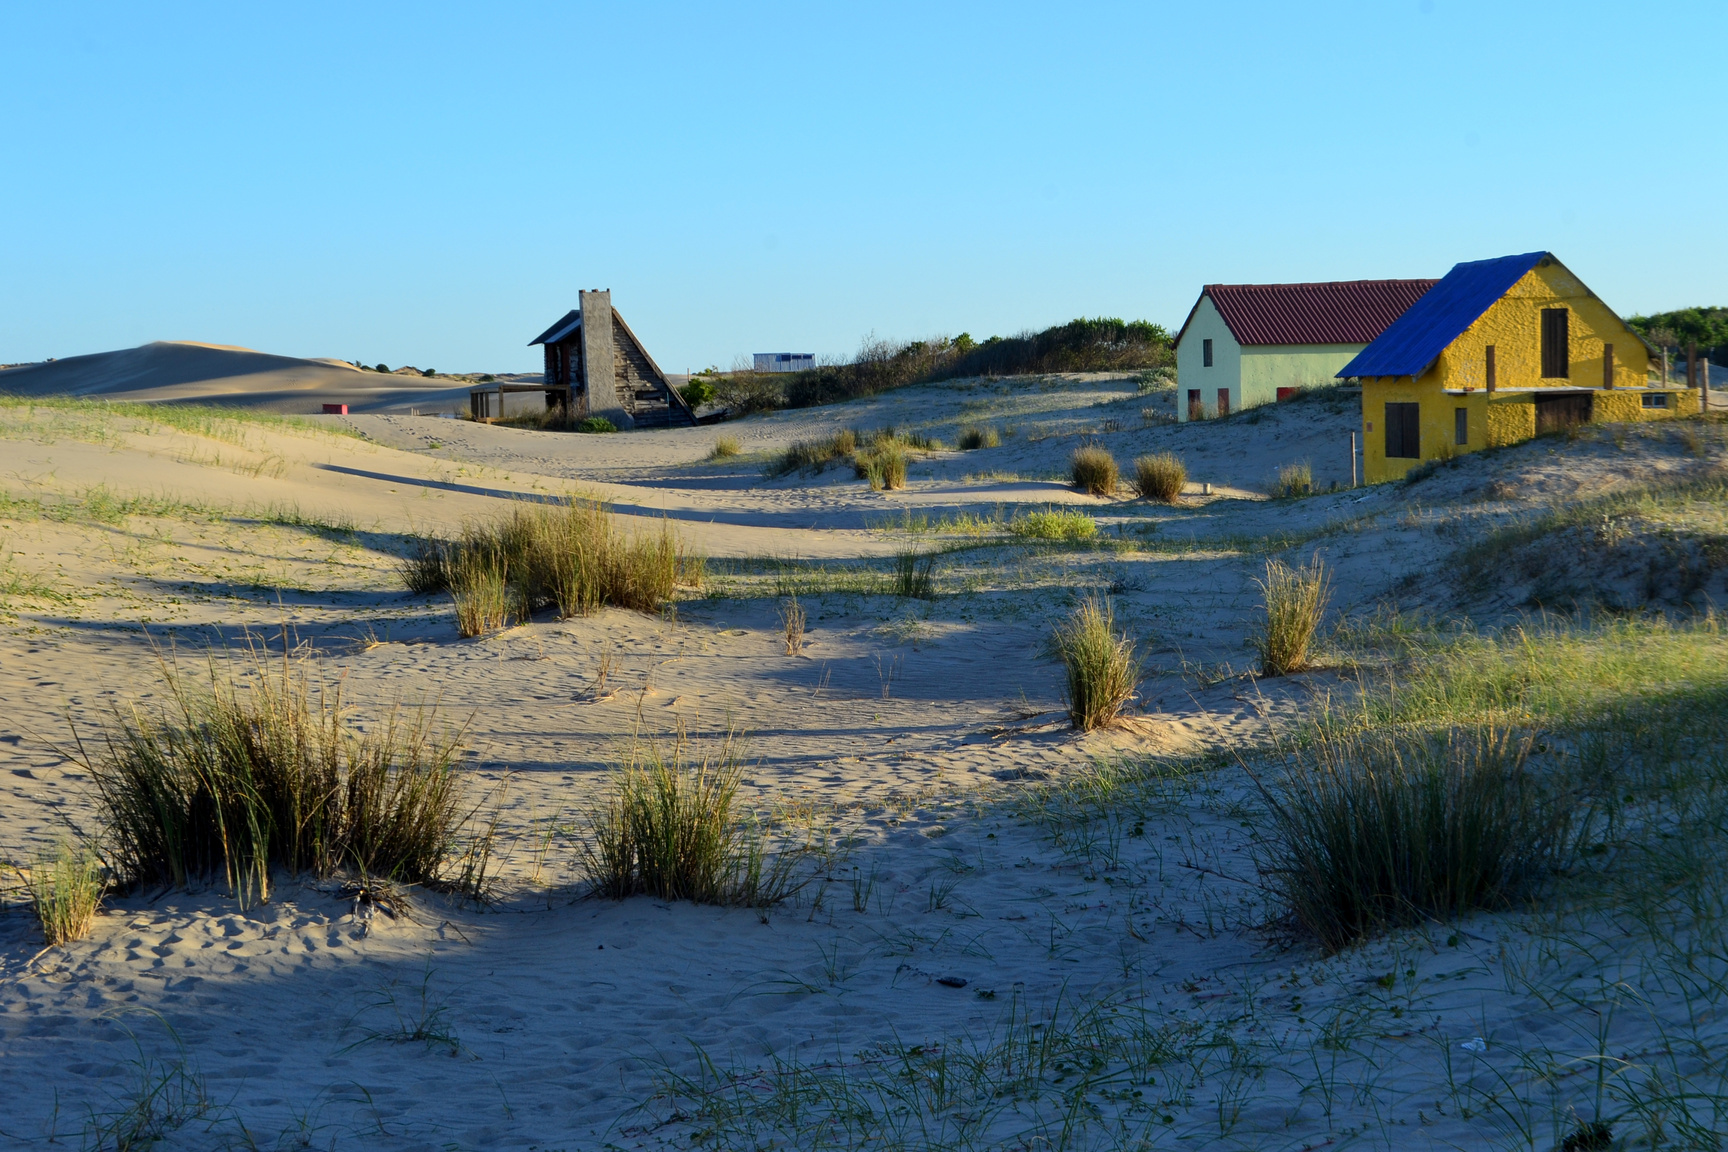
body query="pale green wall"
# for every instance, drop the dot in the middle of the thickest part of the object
(1226, 370)
(1269, 367)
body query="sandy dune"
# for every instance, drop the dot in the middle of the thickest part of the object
(222, 374)
(916, 733)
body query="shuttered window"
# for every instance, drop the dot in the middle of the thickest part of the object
(1461, 426)
(1403, 431)
(1556, 344)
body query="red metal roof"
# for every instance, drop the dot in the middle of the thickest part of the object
(1335, 312)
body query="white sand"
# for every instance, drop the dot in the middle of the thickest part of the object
(914, 727)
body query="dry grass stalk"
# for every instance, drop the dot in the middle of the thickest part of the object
(66, 888)
(240, 776)
(1102, 670)
(1295, 600)
(1094, 470)
(792, 619)
(1160, 477)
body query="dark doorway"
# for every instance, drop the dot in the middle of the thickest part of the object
(1403, 431)
(1196, 410)
(1567, 410)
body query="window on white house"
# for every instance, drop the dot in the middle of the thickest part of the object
(1206, 353)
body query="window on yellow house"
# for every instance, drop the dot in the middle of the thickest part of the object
(1403, 431)
(1656, 400)
(1556, 343)
(1461, 426)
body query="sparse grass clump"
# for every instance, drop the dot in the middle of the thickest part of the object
(66, 888)
(596, 424)
(914, 574)
(725, 447)
(1055, 524)
(572, 557)
(1294, 600)
(669, 829)
(975, 436)
(268, 770)
(884, 466)
(792, 621)
(1102, 670)
(1294, 480)
(1094, 470)
(1160, 477)
(1380, 829)
(814, 455)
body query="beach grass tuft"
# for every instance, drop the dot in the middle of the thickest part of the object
(725, 447)
(66, 888)
(914, 574)
(1160, 477)
(1294, 480)
(1294, 600)
(1102, 671)
(1093, 470)
(975, 436)
(1060, 524)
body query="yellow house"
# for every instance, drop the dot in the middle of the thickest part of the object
(1497, 352)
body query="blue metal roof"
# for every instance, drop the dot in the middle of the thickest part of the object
(1413, 341)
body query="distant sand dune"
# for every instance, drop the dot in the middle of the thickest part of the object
(223, 374)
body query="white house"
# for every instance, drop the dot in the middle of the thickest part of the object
(1248, 344)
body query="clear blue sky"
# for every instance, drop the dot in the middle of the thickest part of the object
(431, 184)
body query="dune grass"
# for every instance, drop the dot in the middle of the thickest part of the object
(975, 436)
(573, 557)
(1102, 672)
(1160, 477)
(1294, 600)
(883, 465)
(670, 828)
(814, 455)
(1384, 828)
(262, 766)
(1093, 470)
(913, 574)
(725, 447)
(66, 888)
(1294, 480)
(1059, 524)
(792, 621)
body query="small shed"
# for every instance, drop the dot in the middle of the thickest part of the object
(595, 366)
(785, 361)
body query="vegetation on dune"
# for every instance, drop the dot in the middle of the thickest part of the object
(65, 888)
(725, 447)
(1160, 477)
(1293, 480)
(1705, 327)
(1093, 470)
(1059, 524)
(574, 557)
(1102, 672)
(670, 827)
(975, 436)
(1294, 600)
(877, 455)
(1100, 344)
(236, 776)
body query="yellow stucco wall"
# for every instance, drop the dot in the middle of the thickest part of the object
(1513, 325)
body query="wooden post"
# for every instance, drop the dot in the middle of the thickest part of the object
(1691, 364)
(1489, 376)
(1664, 365)
(1352, 459)
(1607, 365)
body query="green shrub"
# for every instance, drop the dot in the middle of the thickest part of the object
(382, 368)
(974, 436)
(1294, 480)
(239, 776)
(669, 829)
(1055, 524)
(1102, 671)
(596, 424)
(697, 393)
(1160, 477)
(66, 888)
(1389, 828)
(1094, 470)
(1294, 600)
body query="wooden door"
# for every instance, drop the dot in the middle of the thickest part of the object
(1566, 410)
